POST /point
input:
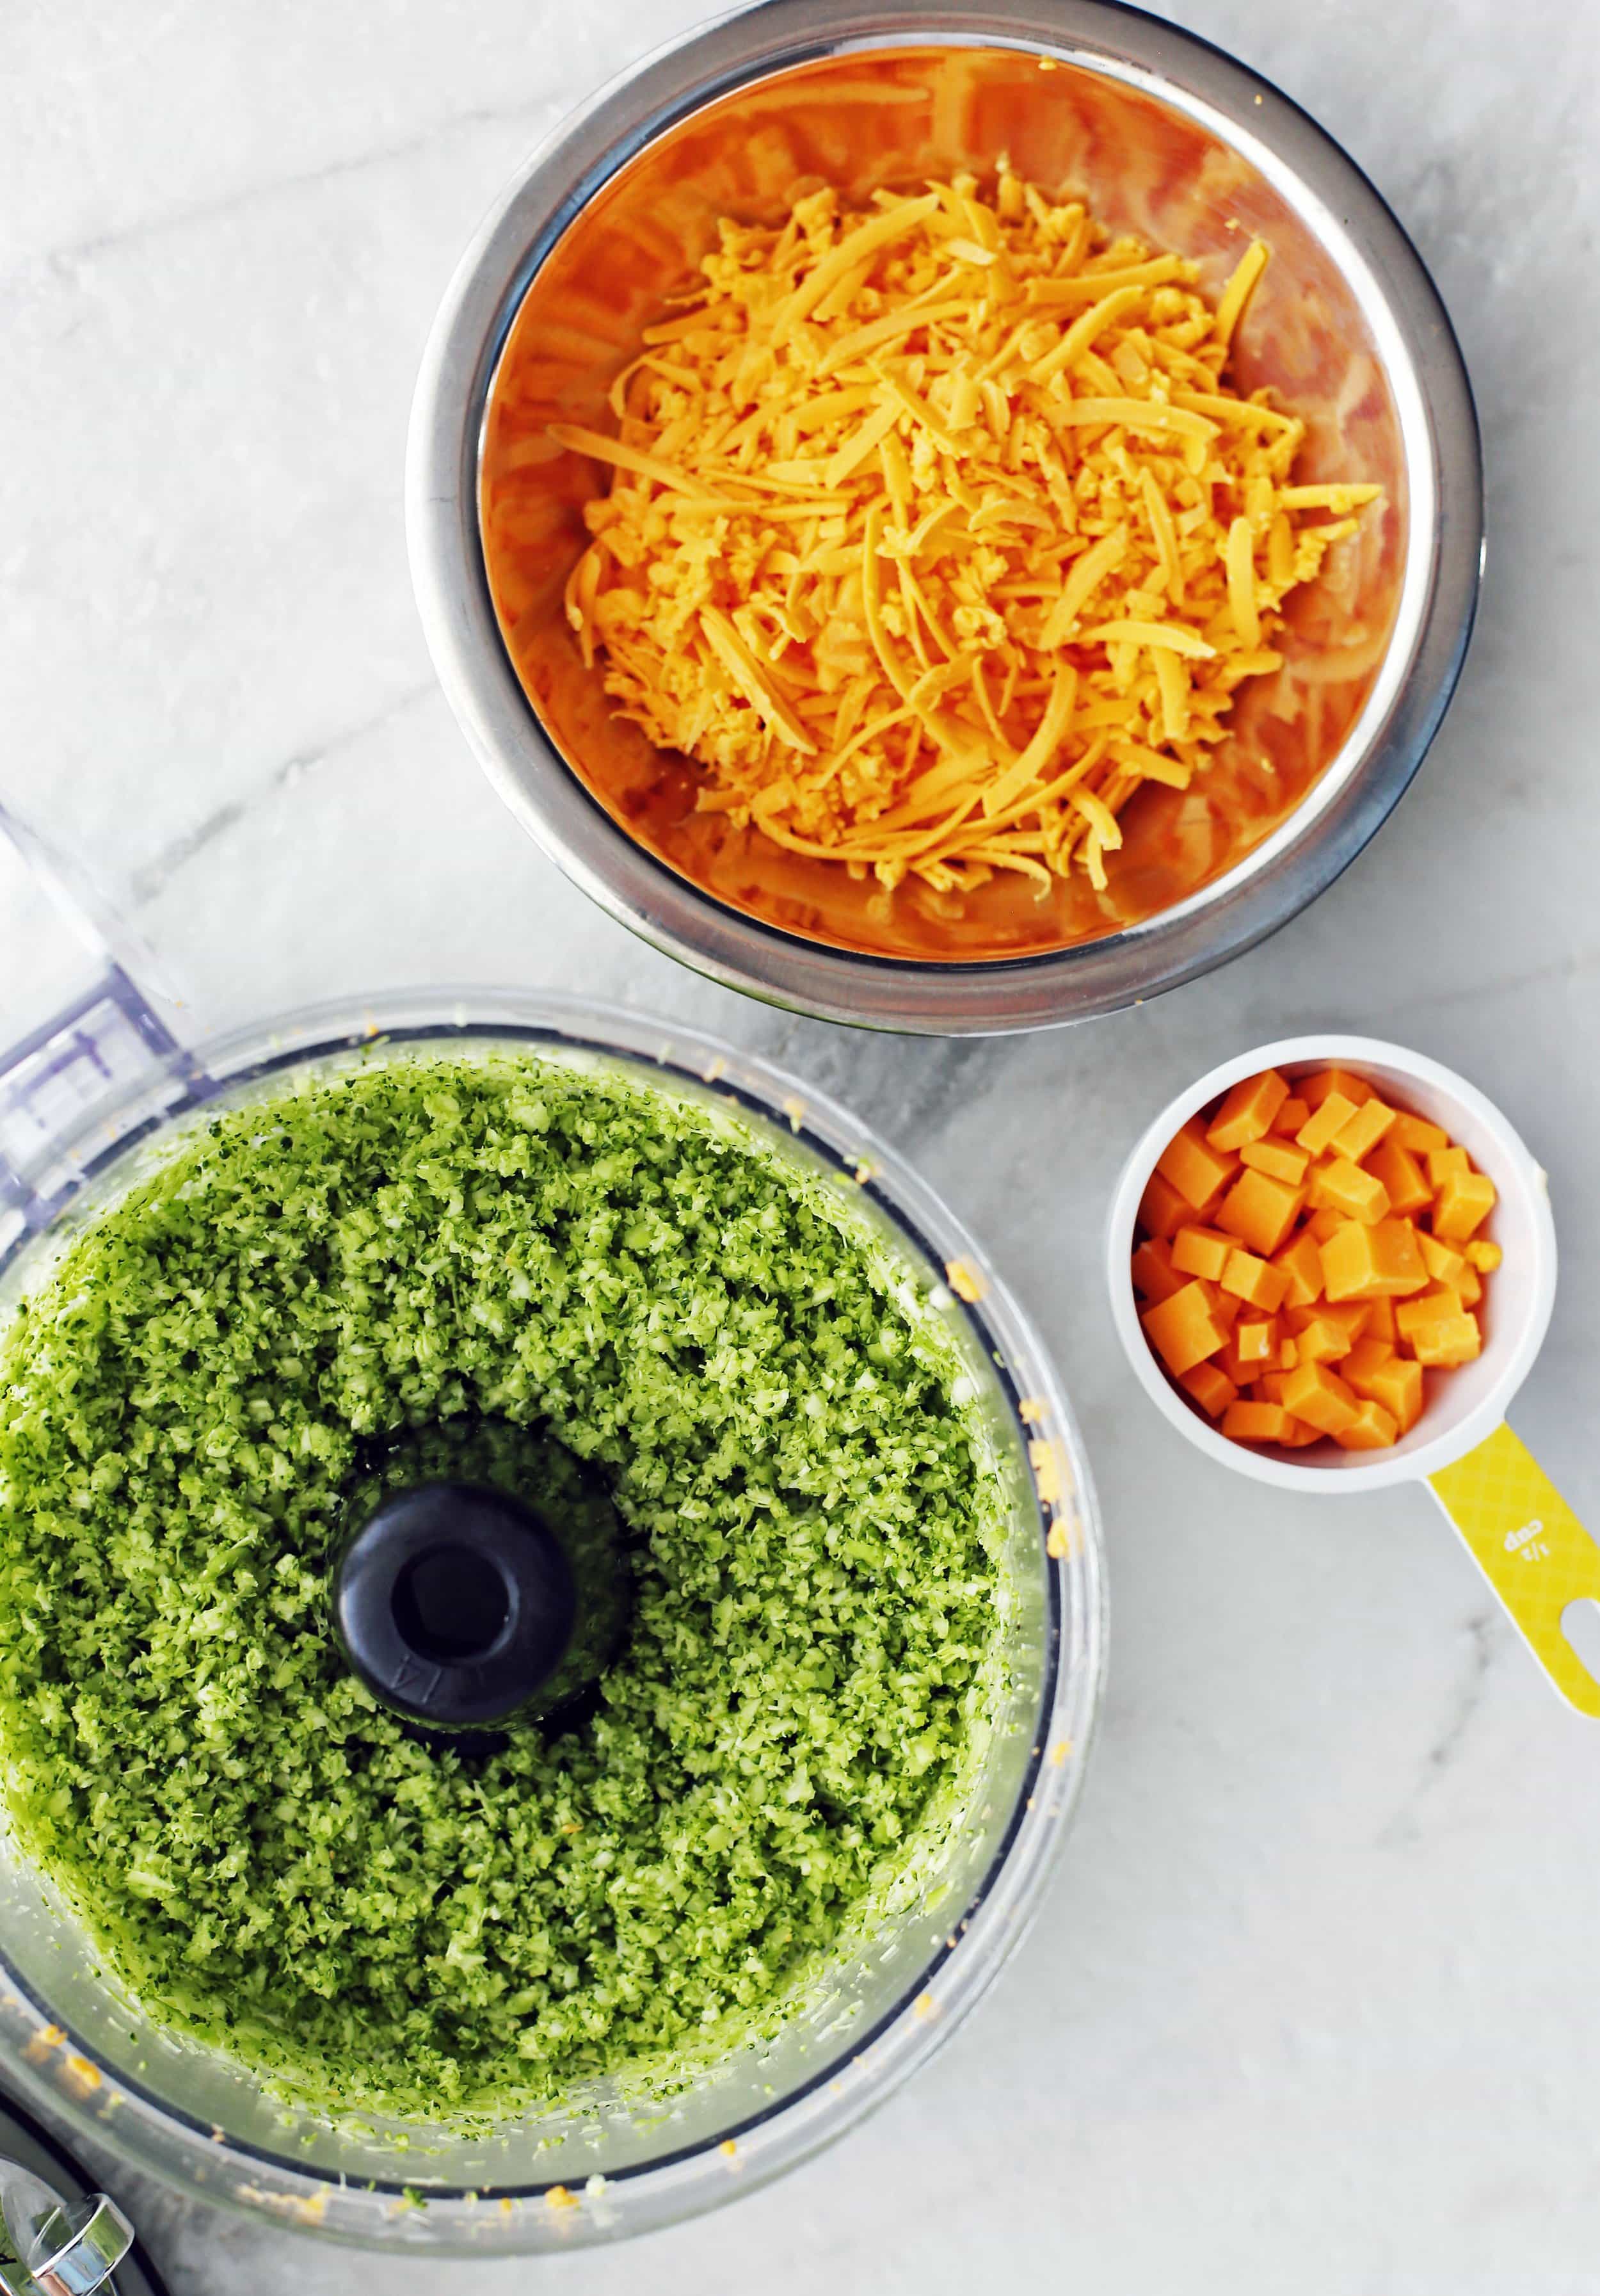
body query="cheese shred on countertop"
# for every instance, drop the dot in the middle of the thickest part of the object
(934, 530)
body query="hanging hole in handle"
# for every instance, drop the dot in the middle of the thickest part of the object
(1581, 1624)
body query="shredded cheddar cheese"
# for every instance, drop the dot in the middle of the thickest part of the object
(935, 531)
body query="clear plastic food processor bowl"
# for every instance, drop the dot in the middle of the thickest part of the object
(603, 2168)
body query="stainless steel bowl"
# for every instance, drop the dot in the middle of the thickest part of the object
(1171, 137)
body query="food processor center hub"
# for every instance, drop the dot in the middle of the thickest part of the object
(465, 1597)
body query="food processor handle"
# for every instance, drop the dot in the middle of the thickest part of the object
(85, 1058)
(98, 1047)
(62, 2248)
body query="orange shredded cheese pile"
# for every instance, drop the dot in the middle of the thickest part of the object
(934, 530)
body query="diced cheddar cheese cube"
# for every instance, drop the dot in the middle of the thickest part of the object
(1210, 1388)
(1201, 1251)
(1398, 1386)
(1317, 1090)
(1349, 1315)
(1463, 1203)
(1443, 1161)
(1256, 1281)
(1485, 1257)
(1257, 1341)
(1298, 1435)
(1373, 1429)
(1416, 1133)
(1162, 1211)
(1291, 1355)
(1403, 1177)
(1154, 1275)
(1248, 1110)
(1301, 1262)
(1275, 1158)
(1225, 1306)
(1270, 1385)
(1291, 1116)
(1443, 1262)
(1259, 1210)
(1453, 1339)
(1194, 1169)
(1255, 1423)
(1324, 1223)
(1436, 1305)
(1321, 1341)
(1379, 1319)
(1183, 1330)
(1383, 1261)
(1319, 1128)
(1205, 1215)
(1320, 1397)
(1365, 1359)
(1364, 1129)
(1344, 1187)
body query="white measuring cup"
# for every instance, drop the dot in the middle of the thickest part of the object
(1530, 1546)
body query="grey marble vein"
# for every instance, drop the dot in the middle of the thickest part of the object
(154, 879)
(1483, 1634)
(137, 230)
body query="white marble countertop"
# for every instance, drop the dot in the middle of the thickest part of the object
(1311, 2003)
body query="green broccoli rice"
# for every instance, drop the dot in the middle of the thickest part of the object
(265, 1856)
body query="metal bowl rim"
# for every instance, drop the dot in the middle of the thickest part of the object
(1358, 790)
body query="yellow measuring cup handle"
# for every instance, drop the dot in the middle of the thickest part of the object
(1530, 1548)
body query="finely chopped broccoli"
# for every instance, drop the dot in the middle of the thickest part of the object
(267, 1860)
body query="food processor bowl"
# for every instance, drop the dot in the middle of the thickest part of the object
(607, 2164)
(1167, 139)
